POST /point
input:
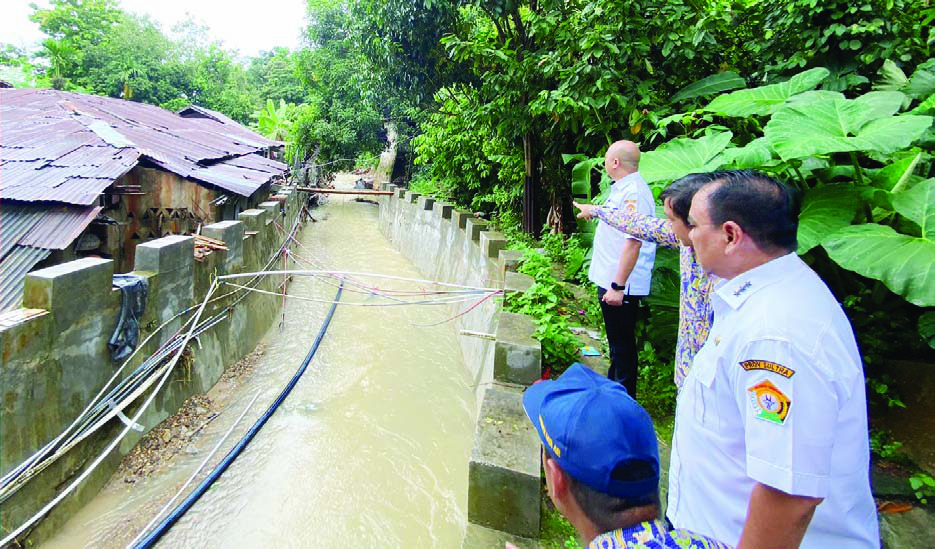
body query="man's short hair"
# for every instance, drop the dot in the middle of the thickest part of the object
(765, 208)
(681, 191)
(604, 509)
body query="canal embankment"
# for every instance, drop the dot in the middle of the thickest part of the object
(56, 359)
(499, 453)
(452, 245)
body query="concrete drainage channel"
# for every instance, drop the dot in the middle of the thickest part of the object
(71, 309)
(451, 245)
(55, 353)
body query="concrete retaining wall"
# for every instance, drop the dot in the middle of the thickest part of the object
(453, 246)
(55, 357)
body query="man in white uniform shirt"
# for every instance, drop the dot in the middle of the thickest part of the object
(770, 446)
(621, 265)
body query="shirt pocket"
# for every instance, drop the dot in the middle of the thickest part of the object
(705, 401)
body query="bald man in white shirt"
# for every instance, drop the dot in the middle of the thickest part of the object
(621, 265)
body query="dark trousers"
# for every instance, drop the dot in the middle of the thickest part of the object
(620, 323)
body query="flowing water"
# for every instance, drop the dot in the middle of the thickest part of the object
(369, 450)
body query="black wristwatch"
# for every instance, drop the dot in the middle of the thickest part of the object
(615, 286)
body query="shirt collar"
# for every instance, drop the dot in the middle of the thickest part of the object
(736, 291)
(627, 179)
(642, 533)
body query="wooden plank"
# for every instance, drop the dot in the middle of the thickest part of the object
(342, 191)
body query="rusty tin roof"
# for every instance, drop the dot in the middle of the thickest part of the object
(68, 147)
(13, 271)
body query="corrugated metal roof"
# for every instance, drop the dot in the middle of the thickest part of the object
(231, 126)
(42, 226)
(69, 147)
(13, 270)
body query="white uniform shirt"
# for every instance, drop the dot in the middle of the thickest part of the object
(776, 396)
(631, 193)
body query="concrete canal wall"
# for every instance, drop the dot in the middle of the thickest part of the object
(55, 357)
(453, 246)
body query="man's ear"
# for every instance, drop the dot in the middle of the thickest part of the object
(733, 235)
(556, 480)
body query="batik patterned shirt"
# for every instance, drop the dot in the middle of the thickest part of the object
(653, 535)
(695, 311)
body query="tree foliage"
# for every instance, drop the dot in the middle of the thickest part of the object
(93, 46)
(341, 119)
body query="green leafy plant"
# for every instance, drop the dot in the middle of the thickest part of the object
(883, 445)
(542, 301)
(556, 532)
(927, 328)
(656, 389)
(825, 143)
(273, 121)
(882, 389)
(923, 485)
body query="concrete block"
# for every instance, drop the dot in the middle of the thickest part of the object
(910, 530)
(503, 475)
(231, 232)
(392, 187)
(517, 354)
(509, 261)
(443, 209)
(412, 197)
(168, 253)
(70, 290)
(491, 242)
(517, 282)
(400, 192)
(254, 219)
(474, 226)
(426, 203)
(273, 209)
(461, 216)
(481, 537)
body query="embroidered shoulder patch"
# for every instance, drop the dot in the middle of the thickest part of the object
(769, 366)
(769, 402)
(630, 205)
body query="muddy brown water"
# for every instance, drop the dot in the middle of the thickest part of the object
(369, 450)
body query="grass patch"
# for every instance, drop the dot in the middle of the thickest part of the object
(665, 426)
(556, 532)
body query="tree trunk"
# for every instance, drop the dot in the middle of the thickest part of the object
(531, 223)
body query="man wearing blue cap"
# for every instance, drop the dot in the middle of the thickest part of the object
(601, 462)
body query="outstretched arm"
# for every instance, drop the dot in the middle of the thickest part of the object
(642, 226)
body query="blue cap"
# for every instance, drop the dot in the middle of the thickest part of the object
(590, 424)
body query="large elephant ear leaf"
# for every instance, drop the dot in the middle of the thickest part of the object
(828, 125)
(905, 264)
(581, 177)
(892, 78)
(752, 155)
(825, 210)
(766, 100)
(716, 83)
(681, 157)
(880, 104)
(896, 175)
(918, 204)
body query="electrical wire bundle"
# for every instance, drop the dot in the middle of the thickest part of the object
(156, 369)
(110, 402)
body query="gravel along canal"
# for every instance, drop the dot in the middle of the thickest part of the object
(369, 450)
